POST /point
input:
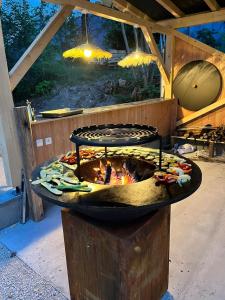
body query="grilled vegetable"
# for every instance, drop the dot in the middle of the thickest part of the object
(51, 188)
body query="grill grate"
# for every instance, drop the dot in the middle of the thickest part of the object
(114, 135)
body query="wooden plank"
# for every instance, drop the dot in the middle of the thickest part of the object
(212, 4)
(198, 44)
(111, 14)
(39, 44)
(9, 143)
(125, 6)
(130, 261)
(196, 19)
(154, 49)
(201, 112)
(171, 7)
(26, 144)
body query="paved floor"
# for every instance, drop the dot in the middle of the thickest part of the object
(18, 281)
(197, 268)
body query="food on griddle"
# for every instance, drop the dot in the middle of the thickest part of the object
(55, 180)
(71, 157)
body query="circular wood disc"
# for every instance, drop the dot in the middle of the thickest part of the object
(197, 85)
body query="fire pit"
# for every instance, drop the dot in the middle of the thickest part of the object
(118, 170)
(121, 185)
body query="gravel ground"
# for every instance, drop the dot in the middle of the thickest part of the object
(18, 281)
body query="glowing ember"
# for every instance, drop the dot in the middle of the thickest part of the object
(107, 174)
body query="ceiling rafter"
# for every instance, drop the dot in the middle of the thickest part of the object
(171, 7)
(112, 14)
(212, 4)
(125, 6)
(196, 19)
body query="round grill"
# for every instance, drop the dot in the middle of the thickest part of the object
(114, 135)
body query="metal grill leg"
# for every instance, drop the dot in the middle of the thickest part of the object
(78, 160)
(160, 153)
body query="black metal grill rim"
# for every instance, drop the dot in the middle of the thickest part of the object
(152, 134)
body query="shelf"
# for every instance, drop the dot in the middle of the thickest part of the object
(197, 140)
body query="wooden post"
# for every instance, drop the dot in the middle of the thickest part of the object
(9, 143)
(26, 144)
(130, 261)
(170, 43)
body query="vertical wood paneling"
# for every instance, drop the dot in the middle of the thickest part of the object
(157, 113)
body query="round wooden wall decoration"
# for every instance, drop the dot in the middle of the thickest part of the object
(197, 85)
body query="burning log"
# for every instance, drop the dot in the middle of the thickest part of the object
(108, 173)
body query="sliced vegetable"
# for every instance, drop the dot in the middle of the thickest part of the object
(52, 189)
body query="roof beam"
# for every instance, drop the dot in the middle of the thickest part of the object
(154, 49)
(171, 7)
(212, 4)
(112, 14)
(197, 19)
(36, 48)
(125, 6)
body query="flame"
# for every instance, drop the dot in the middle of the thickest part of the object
(118, 176)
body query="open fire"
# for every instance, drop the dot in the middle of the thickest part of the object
(116, 170)
(110, 174)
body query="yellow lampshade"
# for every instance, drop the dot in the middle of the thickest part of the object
(136, 59)
(88, 52)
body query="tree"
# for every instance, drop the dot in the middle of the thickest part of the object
(206, 36)
(114, 36)
(19, 29)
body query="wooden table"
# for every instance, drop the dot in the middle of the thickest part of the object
(117, 262)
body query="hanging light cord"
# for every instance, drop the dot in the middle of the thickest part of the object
(136, 37)
(86, 27)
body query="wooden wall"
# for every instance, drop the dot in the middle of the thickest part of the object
(185, 52)
(215, 118)
(161, 114)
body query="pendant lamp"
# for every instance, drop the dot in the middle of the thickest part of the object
(87, 51)
(137, 58)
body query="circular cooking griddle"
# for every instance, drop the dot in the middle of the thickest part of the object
(111, 135)
(121, 203)
(197, 85)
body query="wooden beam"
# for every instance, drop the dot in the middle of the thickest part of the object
(196, 19)
(154, 49)
(125, 6)
(9, 142)
(29, 163)
(169, 57)
(111, 14)
(36, 48)
(171, 7)
(200, 113)
(212, 4)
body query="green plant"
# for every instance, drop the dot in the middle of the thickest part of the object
(43, 88)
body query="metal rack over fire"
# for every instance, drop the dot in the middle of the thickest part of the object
(115, 135)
